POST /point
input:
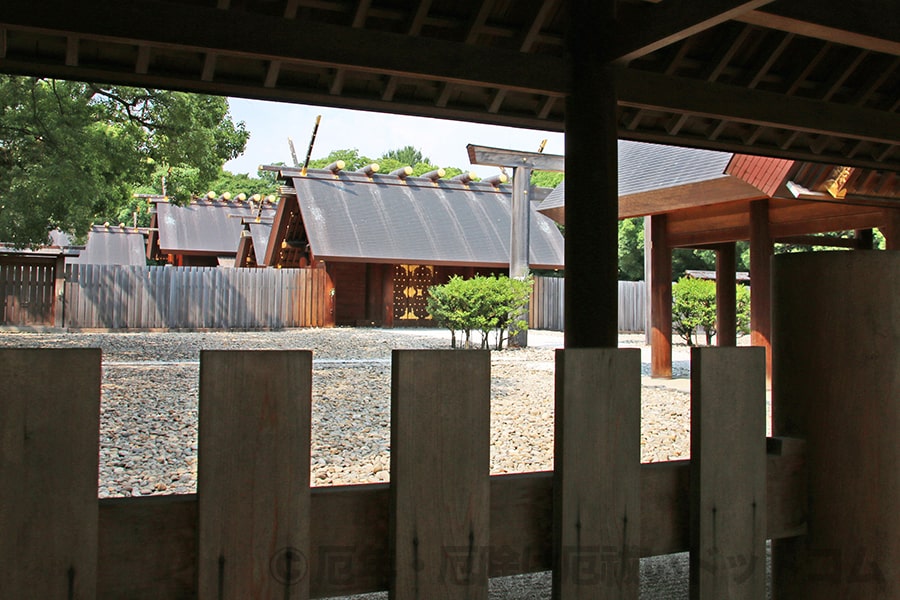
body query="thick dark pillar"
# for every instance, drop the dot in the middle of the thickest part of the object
(660, 298)
(891, 231)
(726, 296)
(761, 280)
(592, 198)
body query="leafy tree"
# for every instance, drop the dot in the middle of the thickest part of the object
(407, 155)
(693, 307)
(243, 183)
(351, 157)
(548, 179)
(631, 249)
(72, 152)
(484, 304)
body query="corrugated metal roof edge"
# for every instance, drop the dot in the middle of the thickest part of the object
(438, 263)
(388, 179)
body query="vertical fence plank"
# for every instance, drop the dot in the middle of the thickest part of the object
(597, 460)
(49, 434)
(440, 473)
(253, 474)
(728, 473)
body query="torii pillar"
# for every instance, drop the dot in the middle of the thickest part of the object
(523, 164)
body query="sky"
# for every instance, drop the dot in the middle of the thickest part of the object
(444, 142)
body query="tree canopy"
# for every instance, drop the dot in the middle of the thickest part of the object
(72, 152)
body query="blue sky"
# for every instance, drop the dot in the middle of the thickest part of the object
(444, 142)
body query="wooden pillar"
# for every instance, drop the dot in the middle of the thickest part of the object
(891, 230)
(253, 474)
(387, 297)
(597, 483)
(59, 292)
(440, 474)
(49, 436)
(761, 251)
(728, 474)
(837, 384)
(726, 295)
(661, 298)
(865, 239)
(519, 240)
(591, 301)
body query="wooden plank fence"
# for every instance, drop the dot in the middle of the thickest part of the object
(257, 529)
(122, 297)
(546, 311)
(27, 294)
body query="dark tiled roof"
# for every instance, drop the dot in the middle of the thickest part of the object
(645, 167)
(352, 217)
(113, 246)
(260, 233)
(205, 226)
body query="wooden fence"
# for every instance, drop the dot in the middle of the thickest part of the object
(27, 293)
(439, 529)
(118, 297)
(546, 311)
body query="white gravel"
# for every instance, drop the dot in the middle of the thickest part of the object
(148, 437)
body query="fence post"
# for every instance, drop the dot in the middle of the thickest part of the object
(253, 474)
(49, 438)
(440, 474)
(836, 383)
(728, 473)
(597, 459)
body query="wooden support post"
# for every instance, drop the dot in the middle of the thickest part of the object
(592, 188)
(891, 231)
(728, 473)
(660, 298)
(761, 251)
(519, 240)
(49, 438)
(597, 485)
(440, 474)
(865, 239)
(253, 474)
(387, 295)
(59, 292)
(837, 384)
(726, 295)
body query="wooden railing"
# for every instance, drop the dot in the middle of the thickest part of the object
(441, 528)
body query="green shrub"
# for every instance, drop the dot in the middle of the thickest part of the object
(484, 304)
(694, 307)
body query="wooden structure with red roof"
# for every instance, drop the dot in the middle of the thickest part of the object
(707, 199)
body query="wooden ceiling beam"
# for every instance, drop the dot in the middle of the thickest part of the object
(645, 28)
(873, 26)
(652, 91)
(331, 46)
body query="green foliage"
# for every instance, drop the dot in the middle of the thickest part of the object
(242, 183)
(351, 157)
(743, 308)
(631, 249)
(484, 304)
(72, 153)
(406, 156)
(547, 179)
(694, 308)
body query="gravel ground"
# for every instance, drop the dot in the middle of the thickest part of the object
(148, 437)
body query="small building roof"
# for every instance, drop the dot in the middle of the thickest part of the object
(354, 217)
(206, 227)
(117, 245)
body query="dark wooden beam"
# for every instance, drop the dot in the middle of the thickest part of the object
(592, 195)
(644, 28)
(641, 89)
(320, 44)
(872, 26)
